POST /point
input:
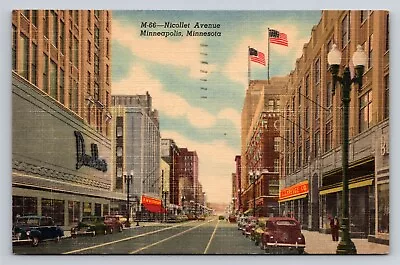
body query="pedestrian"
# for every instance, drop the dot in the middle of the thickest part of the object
(336, 229)
(332, 225)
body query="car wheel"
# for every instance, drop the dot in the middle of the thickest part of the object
(58, 239)
(94, 233)
(105, 231)
(261, 244)
(111, 230)
(35, 241)
(120, 229)
(300, 251)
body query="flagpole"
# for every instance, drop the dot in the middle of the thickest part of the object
(268, 56)
(248, 66)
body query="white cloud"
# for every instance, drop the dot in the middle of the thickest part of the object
(216, 164)
(138, 81)
(184, 53)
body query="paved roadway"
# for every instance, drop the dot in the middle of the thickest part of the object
(195, 237)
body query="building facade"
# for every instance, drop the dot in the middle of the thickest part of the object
(188, 172)
(312, 127)
(60, 99)
(260, 147)
(238, 172)
(136, 147)
(170, 154)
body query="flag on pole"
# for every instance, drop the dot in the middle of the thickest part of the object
(256, 56)
(277, 37)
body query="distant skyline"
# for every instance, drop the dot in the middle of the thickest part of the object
(203, 115)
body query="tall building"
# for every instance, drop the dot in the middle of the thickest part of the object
(136, 147)
(312, 125)
(61, 83)
(170, 154)
(238, 194)
(188, 166)
(260, 147)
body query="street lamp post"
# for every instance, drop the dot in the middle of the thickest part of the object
(128, 181)
(346, 246)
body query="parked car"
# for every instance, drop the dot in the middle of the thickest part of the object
(221, 217)
(35, 229)
(258, 230)
(201, 217)
(90, 225)
(242, 222)
(251, 222)
(114, 222)
(232, 218)
(283, 233)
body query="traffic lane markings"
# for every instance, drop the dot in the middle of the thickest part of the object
(187, 241)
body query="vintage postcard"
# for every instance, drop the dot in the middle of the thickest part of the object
(200, 132)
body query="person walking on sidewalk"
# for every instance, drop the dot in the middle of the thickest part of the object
(332, 225)
(335, 233)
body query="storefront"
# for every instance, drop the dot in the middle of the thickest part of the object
(60, 165)
(361, 198)
(151, 209)
(293, 202)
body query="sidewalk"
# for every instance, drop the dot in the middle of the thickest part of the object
(318, 243)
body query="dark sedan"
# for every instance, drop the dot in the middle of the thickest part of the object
(34, 229)
(92, 225)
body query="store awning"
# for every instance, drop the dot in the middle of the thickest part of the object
(294, 198)
(154, 208)
(359, 184)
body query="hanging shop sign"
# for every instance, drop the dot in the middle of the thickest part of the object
(295, 190)
(83, 159)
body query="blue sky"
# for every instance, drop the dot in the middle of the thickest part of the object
(170, 70)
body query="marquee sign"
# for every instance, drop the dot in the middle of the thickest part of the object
(295, 190)
(150, 200)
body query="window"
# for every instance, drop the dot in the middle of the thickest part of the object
(277, 142)
(55, 28)
(299, 157)
(23, 206)
(317, 143)
(54, 209)
(276, 165)
(45, 73)
(387, 32)
(107, 20)
(363, 15)
(70, 46)
(108, 48)
(73, 212)
(317, 71)
(76, 52)
(96, 36)
(370, 50)
(107, 99)
(386, 104)
(14, 47)
(76, 17)
(89, 19)
(34, 64)
(119, 151)
(365, 114)
(307, 150)
(26, 13)
(89, 51)
(34, 17)
(97, 14)
(53, 80)
(46, 23)
(383, 208)
(345, 30)
(62, 85)
(96, 64)
(329, 98)
(277, 104)
(88, 84)
(24, 52)
(328, 136)
(87, 209)
(119, 131)
(62, 37)
(96, 91)
(107, 74)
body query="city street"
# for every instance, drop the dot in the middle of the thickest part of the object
(211, 236)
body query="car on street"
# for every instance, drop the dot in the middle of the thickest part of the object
(114, 222)
(232, 218)
(242, 222)
(258, 230)
(90, 225)
(283, 233)
(201, 217)
(251, 222)
(221, 217)
(34, 229)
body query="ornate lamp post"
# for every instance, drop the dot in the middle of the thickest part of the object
(128, 181)
(346, 246)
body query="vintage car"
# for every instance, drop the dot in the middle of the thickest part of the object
(251, 222)
(232, 218)
(282, 233)
(201, 217)
(90, 225)
(258, 230)
(242, 222)
(115, 222)
(35, 229)
(221, 217)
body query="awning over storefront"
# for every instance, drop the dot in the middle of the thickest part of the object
(354, 185)
(152, 204)
(294, 198)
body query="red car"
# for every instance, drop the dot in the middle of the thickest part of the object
(283, 233)
(113, 222)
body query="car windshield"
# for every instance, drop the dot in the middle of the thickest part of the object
(89, 219)
(28, 221)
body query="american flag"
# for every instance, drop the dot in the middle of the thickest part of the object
(256, 56)
(277, 37)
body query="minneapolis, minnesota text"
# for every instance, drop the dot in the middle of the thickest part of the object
(179, 29)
